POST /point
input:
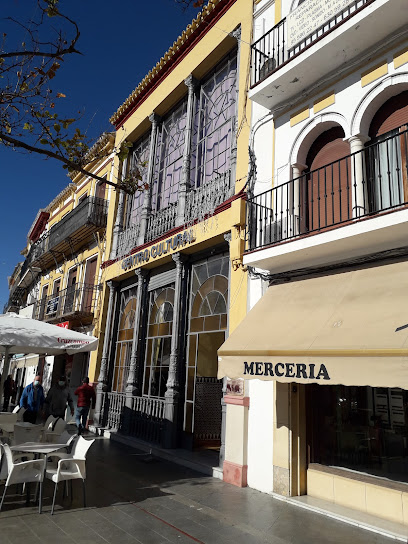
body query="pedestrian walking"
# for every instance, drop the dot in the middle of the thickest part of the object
(86, 396)
(8, 392)
(32, 400)
(58, 398)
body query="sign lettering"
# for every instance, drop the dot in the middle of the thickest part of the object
(159, 249)
(310, 16)
(287, 370)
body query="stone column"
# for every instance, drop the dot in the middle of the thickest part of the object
(296, 207)
(132, 384)
(146, 208)
(234, 144)
(358, 175)
(102, 386)
(119, 215)
(172, 392)
(192, 85)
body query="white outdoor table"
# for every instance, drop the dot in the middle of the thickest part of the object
(38, 448)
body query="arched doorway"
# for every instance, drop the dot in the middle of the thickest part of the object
(326, 192)
(387, 154)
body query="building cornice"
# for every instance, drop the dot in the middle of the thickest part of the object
(199, 26)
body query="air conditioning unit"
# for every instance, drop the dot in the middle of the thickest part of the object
(281, 230)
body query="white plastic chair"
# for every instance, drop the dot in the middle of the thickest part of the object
(19, 410)
(48, 423)
(54, 432)
(8, 417)
(26, 433)
(70, 466)
(21, 472)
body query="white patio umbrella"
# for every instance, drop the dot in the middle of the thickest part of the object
(20, 334)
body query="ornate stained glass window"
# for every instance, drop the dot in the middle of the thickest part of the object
(158, 347)
(207, 326)
(124, 339)
(214, 122)
(169, 158)
(138, 166)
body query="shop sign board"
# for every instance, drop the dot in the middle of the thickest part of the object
(64, 325)
(296, 371)
(158, 250)
(311, 15)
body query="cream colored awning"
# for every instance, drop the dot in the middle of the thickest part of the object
(349, 328)
(32, 360)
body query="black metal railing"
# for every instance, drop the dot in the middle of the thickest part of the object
(144, 419)
(271, 50)
(364, 183)
(78, 299)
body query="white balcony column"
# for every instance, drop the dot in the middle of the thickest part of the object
(147, 203)
(358, 174)
(102, 386)
(172, 387)
(185, 185)
(296, 206)
(117, 228)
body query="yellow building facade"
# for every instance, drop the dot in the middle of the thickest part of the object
(175, 285)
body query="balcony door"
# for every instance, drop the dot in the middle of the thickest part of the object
(326, 191)
(69, 305)
(387, 155)
(89, 285)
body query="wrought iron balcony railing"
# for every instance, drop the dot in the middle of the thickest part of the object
(202, 201)
(273, 49)
(143, 420)
(79, 300)
(70, 233)
(362, 184)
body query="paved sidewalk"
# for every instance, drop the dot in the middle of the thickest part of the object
(132, 498)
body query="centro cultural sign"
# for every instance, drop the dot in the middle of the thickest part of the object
(159, 249)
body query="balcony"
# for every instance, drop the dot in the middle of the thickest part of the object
(200, 203)
(78, 301)
(307, 46)
(69, 234)
(365, 193)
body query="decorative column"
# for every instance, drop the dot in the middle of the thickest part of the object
(172, 392)
(234, 144)
(147, 203)
(132, 385)
(296, 208)
(358, 175)
(102, 386)
(192, 85)
(119, 215)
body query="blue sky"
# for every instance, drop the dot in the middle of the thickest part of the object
(120, 41)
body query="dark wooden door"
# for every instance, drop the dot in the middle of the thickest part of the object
(89, 285)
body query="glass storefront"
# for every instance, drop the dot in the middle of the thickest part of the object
(363, 429)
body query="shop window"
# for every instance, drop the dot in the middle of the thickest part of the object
(359, 428)
(207, 326)
(124, 341)
(158, 347)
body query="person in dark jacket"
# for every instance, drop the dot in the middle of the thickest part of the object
(86, 396)
(58, 397)
(8, 391)
(32, 400)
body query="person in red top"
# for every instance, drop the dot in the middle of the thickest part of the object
(86, 395)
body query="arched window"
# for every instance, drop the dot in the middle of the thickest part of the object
(207, 326)
(326, 189)
(387, 154)
(124, 339)
(158, 346)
